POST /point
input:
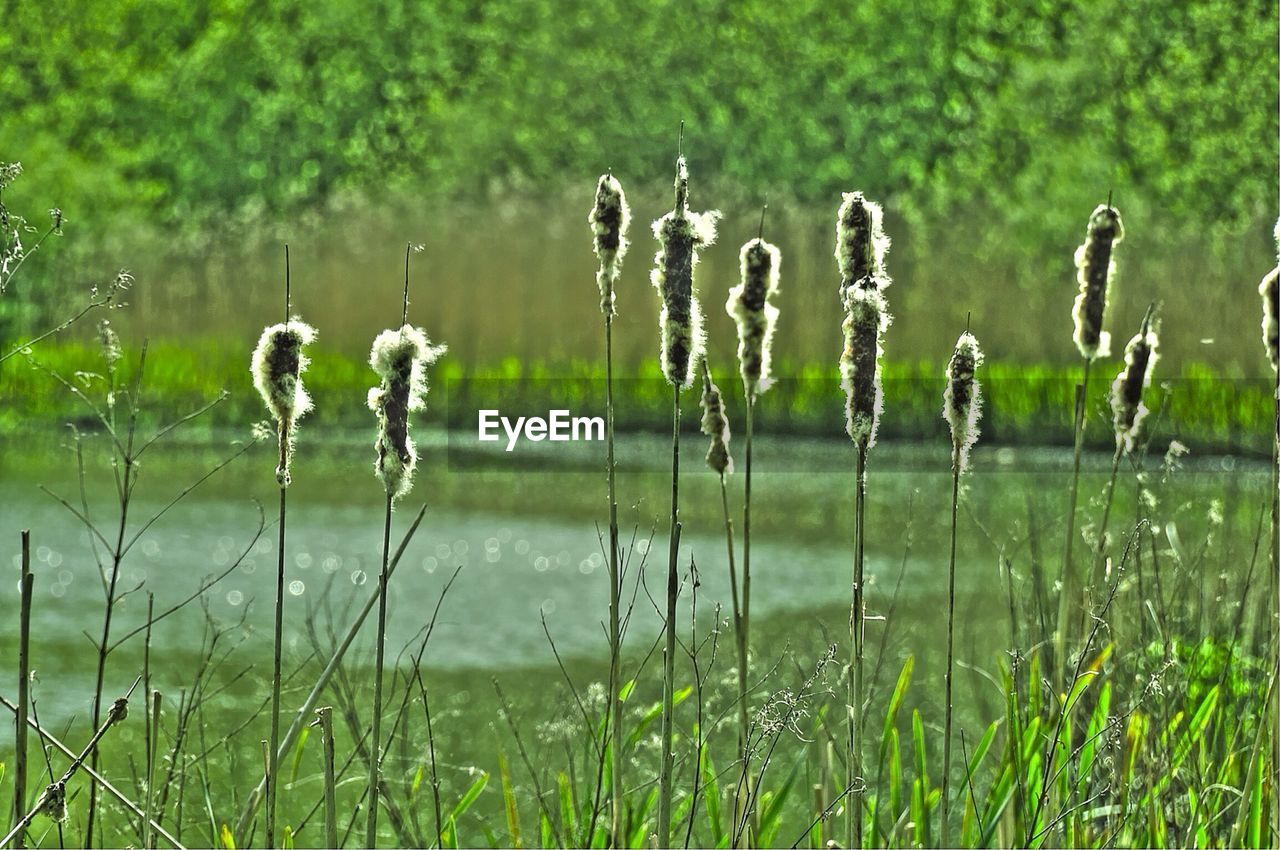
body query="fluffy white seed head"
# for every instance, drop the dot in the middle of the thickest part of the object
(715, 424)
(400, 359)
(278, 364)
(1269, 289)
(681, 234)
(860, 242)
(609, 220)
(1140, 355)
(866, 319)
(756, 318)
(962, 398)
(1094, 270)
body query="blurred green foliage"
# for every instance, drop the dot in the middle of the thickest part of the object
(1022, 405)
(240, 110)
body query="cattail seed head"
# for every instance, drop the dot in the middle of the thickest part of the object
(400, 358)
(1140, 357)
(715, 424)
(681, 234)
(1269, 289)
(866, 319)
(962, 398)
(278, 364)
(750, 308)
(609, 220)
(860, 242)
(1094, 269)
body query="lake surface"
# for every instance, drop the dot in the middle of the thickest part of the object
(528, 542)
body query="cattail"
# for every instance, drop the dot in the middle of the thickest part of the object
(1269, 289)
(715, 424)
(609, 219)
(1094, 268)
(866, 318)
(400, 358)
(860, 243)
(1140, 357)
(750, 308)
(681, 234)
(278, 364)
(962, 399)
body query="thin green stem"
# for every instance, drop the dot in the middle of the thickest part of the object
(857, 629)
(951, 629)
(375, 743)
(1069, 600)
(744, 639)
(669, 658)
(1101, 550)
(744, 723)
(324, 717)
(24, 681)
(615, 598)
(273, 758)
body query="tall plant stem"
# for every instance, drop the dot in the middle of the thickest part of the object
(284, 426)
(857, 634)
(744, 639)
(1069, 600)
(375, 741)
(669, 658)
(153, 719)
(324, 718)
(1274, 607)
(744, 723)
(125, 482)
(24, 680)
(746, 533)
(615, 597)
(1101, 550)
(273, 758)
(951, 634)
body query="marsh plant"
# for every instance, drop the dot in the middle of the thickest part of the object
(681, 235)
(400, 358)
(860, 250)
(278, 364)
(1095, 267)
(609, 219)
(962, 409)
(1150, 728)
(756, 317)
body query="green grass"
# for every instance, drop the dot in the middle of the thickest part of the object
(1024, 404)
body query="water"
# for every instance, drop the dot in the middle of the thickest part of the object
(528, 547)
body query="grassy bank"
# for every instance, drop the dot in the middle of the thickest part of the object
(1025, 405)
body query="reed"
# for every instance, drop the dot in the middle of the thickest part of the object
(26, 585)
(400, 358)
(681, 234)
(609, 218)
(278, 364)
(961, 408)
(860, 250)
(1128, 412)
(1095, 267)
